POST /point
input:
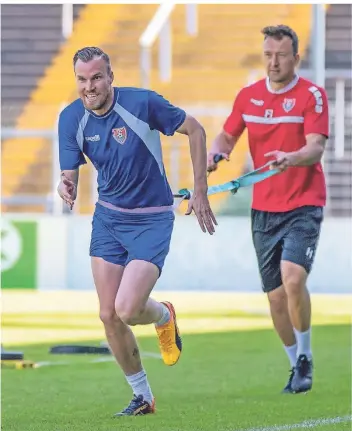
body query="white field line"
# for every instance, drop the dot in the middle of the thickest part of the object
(312, 423)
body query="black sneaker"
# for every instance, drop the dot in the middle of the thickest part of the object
(137, 407)
(302, 380)
(288, 389)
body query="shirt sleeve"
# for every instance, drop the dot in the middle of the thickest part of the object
(70, 155)
(316, 114)
(162, 115)
(234, 124)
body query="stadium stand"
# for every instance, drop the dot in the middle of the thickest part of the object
(27, 162)
(208, 71)
(338, 56)
(31, 36)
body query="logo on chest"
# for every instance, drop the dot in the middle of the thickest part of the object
(269, 113)
(120, 135)
(288, 104)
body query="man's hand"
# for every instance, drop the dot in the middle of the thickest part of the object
(308, 155)
(67, 190)
(281, 160)
(199, 203)
(212, 166)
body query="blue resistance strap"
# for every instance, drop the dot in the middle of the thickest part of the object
(248, 179)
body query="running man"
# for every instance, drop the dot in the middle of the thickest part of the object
(287, 122)
(118, 129)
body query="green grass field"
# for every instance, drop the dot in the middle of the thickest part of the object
(225, 381)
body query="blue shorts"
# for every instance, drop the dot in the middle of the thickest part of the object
(120, 237)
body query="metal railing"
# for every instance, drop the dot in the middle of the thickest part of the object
(67, 20)
(160, 27)
(51, 202)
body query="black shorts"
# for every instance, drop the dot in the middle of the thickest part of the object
(291, 236)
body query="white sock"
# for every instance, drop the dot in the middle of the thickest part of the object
(291, 352)
(303, 343)
(165, 316)
(140, 386)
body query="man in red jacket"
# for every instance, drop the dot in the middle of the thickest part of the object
(287, 122)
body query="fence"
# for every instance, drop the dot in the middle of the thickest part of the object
(50, 253)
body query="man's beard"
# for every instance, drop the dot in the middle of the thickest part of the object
(98, 105)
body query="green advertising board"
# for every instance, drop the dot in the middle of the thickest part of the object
(18, 254)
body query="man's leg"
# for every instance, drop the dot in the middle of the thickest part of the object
(107, 278)
(122, 342)
(294, 279)
(298, 253)
(133, 304)
(148, 244)
(134, 307)
(299, 306)
(267, 240)
(282, 323)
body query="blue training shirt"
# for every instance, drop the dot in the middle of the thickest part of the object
(124, 146)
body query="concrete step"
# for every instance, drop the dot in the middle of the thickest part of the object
(17, 69)
(340, 10)
(33, 10)
(15, 93)
(36, 21)
(35, 34)
(25, 58)
(7, 80)
(23, 45)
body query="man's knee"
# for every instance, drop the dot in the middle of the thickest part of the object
(278, 300)
(294, 278)
(108, 316)
(127, 313)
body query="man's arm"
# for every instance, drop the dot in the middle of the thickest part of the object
(316, 129)
(70, 158)
(71, 175)
(223, 144)
(311, 153)
(199, 202)
(67, 187)
(225, 141)
(197, 142)
(168, 119)
(308, 155)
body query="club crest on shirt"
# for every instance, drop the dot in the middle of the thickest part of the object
(120, 135)
(288, 104)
